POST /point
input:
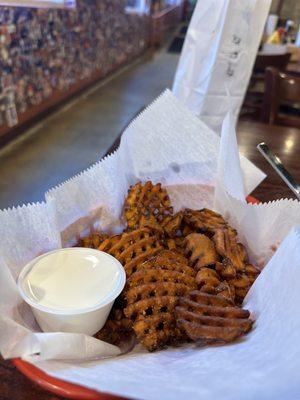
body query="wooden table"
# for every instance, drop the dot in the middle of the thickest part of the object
(294, 67)
(284, 141)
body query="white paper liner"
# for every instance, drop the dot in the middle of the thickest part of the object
(264, 365)
(26, 232)
(261, 227)
(91, 200)
(165, 143)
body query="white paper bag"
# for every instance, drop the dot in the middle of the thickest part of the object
(218, 56)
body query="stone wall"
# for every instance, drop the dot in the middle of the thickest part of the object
(45, 52)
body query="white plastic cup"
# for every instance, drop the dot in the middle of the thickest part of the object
(88, 320)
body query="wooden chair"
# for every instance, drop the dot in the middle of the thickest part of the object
(263, 61)
(254, 96)
(281, 89)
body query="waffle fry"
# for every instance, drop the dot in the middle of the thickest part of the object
(175, 231)
(175, 244)
(117, 329)
(150, 223)
(200, 250)
(132, 248)
(155, 289)
(167, 257)
(158, 331)
(147, 205)
(227, 246)
(242, 283)
(209, 281)
(168, 260)
(211, 319)
(198, 297)
(226, 269)
(93, 241)
(224, 289)
(144, 312)
(152, 275)
(205, 221)
(151, 294)
(109, 243)
(173, 225)
(207, 277)
(234, 267)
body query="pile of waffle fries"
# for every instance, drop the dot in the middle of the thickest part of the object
(187, 274)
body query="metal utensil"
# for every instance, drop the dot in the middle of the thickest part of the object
(279, 168)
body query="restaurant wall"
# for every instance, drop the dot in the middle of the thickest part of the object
(290, 9)
(47, 54)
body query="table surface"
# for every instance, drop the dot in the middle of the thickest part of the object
(285, 143)
(294, 67)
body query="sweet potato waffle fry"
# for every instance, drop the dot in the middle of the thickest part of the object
(117, 329)
(209, 281)
(205, 221)
(202, 255)
(151, 294)
(175, 244)
(234, 267)
(201, 250)
(211, 319)
(159, 275)
(93, 241)
(147, 205)
(167, 257)
(149, 290)
(150, 306)
(132, 248)
(158, 331)
(175, 230)
(227, 246)
(173, 225)
(154, 321)
(168, 260)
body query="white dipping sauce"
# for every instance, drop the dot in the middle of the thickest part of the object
(64, 281)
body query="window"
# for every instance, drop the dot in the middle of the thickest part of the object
(138, 6)
(40, 3)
